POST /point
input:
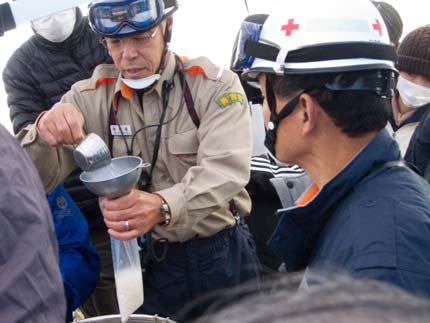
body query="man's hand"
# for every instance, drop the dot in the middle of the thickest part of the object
(61, 125)
(140, 209)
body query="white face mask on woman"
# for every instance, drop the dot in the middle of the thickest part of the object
(56, 28)
(412, 95)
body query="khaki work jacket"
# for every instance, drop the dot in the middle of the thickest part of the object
(198, 171)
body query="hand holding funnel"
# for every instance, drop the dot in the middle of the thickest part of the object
(113, 178)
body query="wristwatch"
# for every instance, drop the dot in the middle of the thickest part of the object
(165, 212)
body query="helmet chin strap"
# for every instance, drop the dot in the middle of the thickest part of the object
(167, 37)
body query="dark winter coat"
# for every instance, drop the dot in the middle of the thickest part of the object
(418, 152)
(372, 220)
(39, 72)
(36, 77)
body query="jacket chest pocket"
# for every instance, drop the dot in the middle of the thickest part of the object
(183, 147)
(120, 144)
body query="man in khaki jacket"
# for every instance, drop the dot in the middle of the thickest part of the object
(183, 117)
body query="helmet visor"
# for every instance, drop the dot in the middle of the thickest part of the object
(248, 31)
(108, 18)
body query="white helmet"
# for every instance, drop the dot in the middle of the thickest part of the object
(314, 36)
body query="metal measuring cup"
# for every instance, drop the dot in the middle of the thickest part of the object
(92, 153)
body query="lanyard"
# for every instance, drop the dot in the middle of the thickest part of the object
(167, 86)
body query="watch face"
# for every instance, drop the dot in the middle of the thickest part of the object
(165, 211)
(164, 207)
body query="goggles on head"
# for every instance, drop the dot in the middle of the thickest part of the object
(109, 18)
(248, 31)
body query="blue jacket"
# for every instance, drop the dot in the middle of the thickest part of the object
(79, 262)
(370, 220)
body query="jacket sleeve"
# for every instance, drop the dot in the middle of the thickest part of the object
(23, 95)
(418, 152)
(79, 262)
(54, 164)
(223, 155)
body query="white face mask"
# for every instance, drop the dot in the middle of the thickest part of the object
(412, 95)
(56, 28)
(142, 83)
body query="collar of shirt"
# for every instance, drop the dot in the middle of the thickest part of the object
(127, 92)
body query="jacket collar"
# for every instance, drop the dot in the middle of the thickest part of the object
(412, 116)
(167, 74)
(298, 227)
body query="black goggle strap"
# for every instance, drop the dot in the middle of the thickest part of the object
(270, 138)
(275, 118)
(271, 101)
(380, 82)
(322, 52)
(289, 107)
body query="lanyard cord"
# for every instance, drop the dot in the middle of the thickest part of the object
(167, 86)
(177, 112)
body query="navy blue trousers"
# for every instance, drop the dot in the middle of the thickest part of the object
(194, 268)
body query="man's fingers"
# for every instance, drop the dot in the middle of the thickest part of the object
(120, 226)
(49, 138)
(62, 125)
(114, 215)
(75, 122)
(48, 131)
(123, 235)
(124, 202)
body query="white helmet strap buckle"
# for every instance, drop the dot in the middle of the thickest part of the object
(280, 60)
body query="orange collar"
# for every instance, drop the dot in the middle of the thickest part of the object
(308, 195)
(126, 92)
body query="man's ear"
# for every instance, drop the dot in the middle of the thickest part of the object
(308, 113)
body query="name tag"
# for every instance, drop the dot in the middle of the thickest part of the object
(116, 131)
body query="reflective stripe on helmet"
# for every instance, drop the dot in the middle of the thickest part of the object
(311, 36)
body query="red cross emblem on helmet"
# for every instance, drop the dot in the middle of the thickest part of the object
(377, 26)
(288, 28)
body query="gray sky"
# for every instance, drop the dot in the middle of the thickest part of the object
(208, 28)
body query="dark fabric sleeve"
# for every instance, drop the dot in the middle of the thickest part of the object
(23, 94)
(409, 280)
(418, 152)
(79, 262)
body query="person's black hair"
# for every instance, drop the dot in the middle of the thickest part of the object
(354, 112)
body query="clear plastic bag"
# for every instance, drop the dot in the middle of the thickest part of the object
(128, 276)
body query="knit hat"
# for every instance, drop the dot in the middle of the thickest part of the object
(413, 55)
(392, 20)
